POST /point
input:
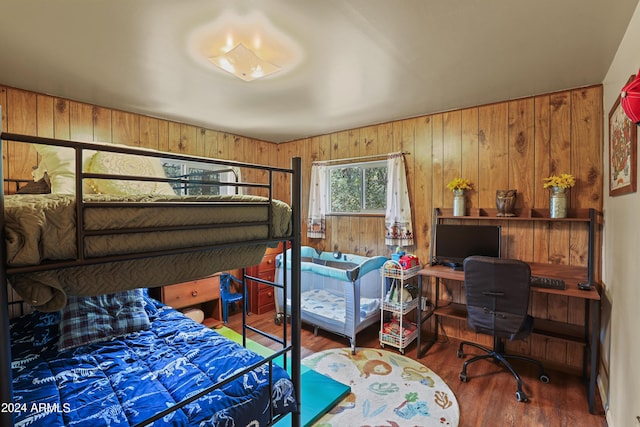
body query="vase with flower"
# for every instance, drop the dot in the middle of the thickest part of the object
(459, 186)
(559, 185)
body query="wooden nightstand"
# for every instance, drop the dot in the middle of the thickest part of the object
(201, 293)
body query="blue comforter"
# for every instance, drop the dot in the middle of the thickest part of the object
(126, 380)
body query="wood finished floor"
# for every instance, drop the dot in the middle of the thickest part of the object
(488, 398)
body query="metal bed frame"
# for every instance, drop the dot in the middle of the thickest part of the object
(290, 347)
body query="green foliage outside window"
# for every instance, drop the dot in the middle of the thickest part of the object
(360, 188)
(376, 188)
(346, 184)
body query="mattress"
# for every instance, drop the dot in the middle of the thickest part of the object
(330, 305)
(125, 380)
(42, 228)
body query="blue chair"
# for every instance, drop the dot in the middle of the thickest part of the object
(227, 296)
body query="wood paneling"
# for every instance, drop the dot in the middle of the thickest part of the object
(102, 125)
(423, 154)
(43, 115)
(511, 144)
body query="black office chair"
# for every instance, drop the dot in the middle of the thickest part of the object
(497, 292)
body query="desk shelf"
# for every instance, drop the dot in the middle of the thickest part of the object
(585, 220)
(589, 216)
(532, 214)
(585, 335)
(547, 328)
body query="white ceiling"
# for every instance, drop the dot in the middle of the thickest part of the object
(363, 61)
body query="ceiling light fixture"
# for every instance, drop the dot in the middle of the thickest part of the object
(247, 46)
(243, 63)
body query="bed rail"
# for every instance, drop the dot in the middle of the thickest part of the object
(6, 388)
(84, 205)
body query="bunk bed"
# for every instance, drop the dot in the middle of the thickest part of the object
(65, 254)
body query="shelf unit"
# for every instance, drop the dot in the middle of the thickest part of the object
(586, 334)
(394, 279)
(580, 215)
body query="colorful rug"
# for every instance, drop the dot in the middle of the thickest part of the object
(387, 389)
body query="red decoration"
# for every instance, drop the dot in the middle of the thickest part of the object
(408, 261)
(630, 99)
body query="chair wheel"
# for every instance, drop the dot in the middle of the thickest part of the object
(544, 378)
(521, 397)
(460, 354)
(463, 377)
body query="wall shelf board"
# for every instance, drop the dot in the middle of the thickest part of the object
(532, 214)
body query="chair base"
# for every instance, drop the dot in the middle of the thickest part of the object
(499, 356)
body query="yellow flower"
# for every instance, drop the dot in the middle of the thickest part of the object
(565, 180)
(459, 184)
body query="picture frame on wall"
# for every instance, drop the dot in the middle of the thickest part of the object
(623, 145)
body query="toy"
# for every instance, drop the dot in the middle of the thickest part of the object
(399, 253)
(408, 261)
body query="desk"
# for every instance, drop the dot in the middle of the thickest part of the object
(571, 276)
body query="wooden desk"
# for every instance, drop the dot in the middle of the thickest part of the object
(571, 276)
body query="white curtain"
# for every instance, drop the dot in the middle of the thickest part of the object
(316, 226)
(398, 222)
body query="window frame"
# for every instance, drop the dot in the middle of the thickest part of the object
(374, 164)
(187, 170)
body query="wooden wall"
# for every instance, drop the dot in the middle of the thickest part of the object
(42, 115)
(512, 144)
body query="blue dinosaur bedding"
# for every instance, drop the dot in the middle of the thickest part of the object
(126, 380)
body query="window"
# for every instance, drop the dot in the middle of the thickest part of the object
(357, 188)
(193, 173)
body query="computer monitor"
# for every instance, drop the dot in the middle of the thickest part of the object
(455, 242)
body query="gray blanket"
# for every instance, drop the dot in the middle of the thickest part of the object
(42, 228)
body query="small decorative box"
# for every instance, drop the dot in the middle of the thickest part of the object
(408, 261)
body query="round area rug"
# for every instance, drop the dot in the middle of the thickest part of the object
(387, 389)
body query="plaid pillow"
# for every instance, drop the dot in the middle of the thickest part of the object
(87, 320)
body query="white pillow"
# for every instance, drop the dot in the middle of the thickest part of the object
(59, 163)
(126, 164)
